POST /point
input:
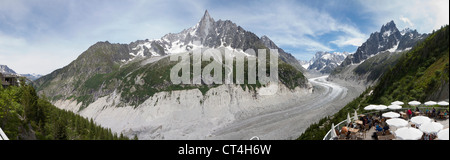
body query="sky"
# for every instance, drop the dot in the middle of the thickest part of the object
(40, 36)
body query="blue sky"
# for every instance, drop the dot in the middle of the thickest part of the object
(39, 36)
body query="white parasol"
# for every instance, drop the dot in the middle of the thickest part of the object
(431, 127)
(391, 115)
(430, 103)
(398, 103)
(370, 107)
(407, 133)
(394, 107)
(355, 116)
(348, 118)
(443, 103)
(419, 120)
(381, 107)
(414, 103)
(397, 122)
(443, 134)
(333, 131)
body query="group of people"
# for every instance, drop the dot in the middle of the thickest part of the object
(432, 113)
(372, 121)
(381, 127)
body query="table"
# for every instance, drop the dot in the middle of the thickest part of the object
(359, 122)
(416, 113)
(403, 114)
(353, 130)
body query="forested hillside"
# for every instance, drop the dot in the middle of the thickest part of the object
(24, 115)
(419, 74)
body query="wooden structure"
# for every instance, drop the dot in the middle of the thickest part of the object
(8, 80)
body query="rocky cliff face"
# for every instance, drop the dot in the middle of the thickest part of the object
(377, 54)
(284, 56)
(389, 38)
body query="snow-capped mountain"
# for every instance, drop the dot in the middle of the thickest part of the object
(112, 62)
(389, 38)
(305, 64)
(6, 70)
(325, 62)
(207, 33)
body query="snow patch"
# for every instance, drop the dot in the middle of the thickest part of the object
(393, 49)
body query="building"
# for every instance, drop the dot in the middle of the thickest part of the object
(8, 80)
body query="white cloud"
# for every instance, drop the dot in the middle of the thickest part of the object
(343, 41)
(407, 21)
(301, 42)
(293, 24)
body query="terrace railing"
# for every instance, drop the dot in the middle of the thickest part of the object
(3, 135)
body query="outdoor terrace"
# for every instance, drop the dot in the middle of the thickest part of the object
(395, 123)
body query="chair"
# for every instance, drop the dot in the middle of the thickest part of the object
(353, 136)
(342, 137)
(387, 132)
(379, 134)
(361, 135)
(366, 127)
(381, 137)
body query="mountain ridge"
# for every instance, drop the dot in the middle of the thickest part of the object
(380, 51)
(106, 67)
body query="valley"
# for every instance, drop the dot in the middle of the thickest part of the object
(176, 77)
(289, 123)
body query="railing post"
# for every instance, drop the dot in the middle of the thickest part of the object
(3, 135)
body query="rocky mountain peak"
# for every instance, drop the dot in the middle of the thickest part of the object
(388, 26)
(205, 25)
(389, 38)
(325, 62)
(6, 70)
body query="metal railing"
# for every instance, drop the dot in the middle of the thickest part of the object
(3, 135)
(343, 123)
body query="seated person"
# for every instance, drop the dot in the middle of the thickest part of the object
(386, 127)
(378, 128)
(351, 125)
(344, 130)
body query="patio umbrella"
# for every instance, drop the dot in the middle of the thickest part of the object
(394, 107)
(407, 133)
(397, 122)
(414, 103)
(430, 103)
(419, 120)
(431, 127)
(443, 103)
(381, 107)
(355, 116)
(348, 118)
(333, 131)
(391, 115)
(398, 103)
(443, 134)
(370, 107)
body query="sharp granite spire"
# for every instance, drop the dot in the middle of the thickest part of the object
(205, 24)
